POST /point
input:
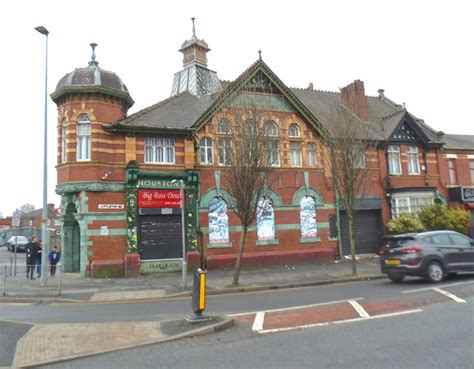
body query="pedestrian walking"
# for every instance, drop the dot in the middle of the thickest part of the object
(38, 258)
(53, 257)
(31, 255)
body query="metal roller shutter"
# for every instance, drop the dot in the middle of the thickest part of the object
(160, 237)
(368, 232)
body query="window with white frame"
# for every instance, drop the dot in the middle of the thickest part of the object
(471, 169)
(294, 131)
(394, 165)
(64, 141)
(83, 138)
(272, 150)
(413, 160)
(225, 150)
(159, 151)
(272, 145)
(410, 203)
(250, 128)
(295, 154)
(271, 129)
(311, 154)
(223, 127)
(452, 171)
(359, 159)
(207, 150)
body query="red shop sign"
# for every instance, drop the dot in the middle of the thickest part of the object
(159, 198)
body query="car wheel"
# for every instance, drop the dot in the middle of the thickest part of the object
(396, 277)
(435, 272)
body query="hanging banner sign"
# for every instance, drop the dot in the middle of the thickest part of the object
(159, 199)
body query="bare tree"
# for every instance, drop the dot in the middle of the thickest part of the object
(249, 160)
(27, 208)
(348, 139)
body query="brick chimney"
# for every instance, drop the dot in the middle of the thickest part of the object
(353, 97)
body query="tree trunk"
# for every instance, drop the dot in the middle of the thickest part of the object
(238, 261)
(352, 242)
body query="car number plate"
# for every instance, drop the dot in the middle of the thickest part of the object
(392, 262)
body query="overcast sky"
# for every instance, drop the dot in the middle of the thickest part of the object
(420, 52)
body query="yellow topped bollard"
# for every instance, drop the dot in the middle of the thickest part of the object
(199, 297)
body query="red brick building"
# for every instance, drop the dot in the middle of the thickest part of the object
(123, 177)
(458, 172)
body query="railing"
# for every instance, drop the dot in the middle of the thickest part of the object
(14, 280)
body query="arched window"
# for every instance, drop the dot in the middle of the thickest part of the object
(207, 150)
(294, 131)
(311, 154)
(64, 141)
(83, 133)
(309, 227)
(271, 128)
(223, 127)
(265, 219)
(218, 221)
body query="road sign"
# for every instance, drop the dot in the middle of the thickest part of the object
(16, 219)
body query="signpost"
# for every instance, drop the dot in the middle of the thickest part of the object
(16, 221)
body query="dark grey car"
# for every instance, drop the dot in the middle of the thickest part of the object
(431, 255)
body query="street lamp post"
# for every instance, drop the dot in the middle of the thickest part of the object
(44, 217)
(183, 229)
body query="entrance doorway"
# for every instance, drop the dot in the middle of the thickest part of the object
(71, 242)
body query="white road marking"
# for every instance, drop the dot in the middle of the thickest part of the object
(292, 328)
(450, 295)
(295, 307)
(359, 308)
(258, 322)
(388, 315)
(430, 288)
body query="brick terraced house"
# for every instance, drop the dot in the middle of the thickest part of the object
(123, 178)
(458, 176)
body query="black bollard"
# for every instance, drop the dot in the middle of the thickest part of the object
(199, 297)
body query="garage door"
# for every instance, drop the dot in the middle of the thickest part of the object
(160, 237)
(368, 232)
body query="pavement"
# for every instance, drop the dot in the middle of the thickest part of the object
(85, 339)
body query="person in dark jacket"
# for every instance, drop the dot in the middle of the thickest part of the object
(31, 254)
(53, 257)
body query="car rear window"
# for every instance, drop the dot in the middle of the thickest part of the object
(397, 242)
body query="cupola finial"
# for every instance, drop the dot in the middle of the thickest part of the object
(194, 29)
(93, 62)
(259, 54)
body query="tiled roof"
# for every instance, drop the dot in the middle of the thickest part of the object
(458, 142)
(177, 112)
(186, 111)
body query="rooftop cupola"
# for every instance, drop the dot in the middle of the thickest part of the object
(92, 80)
(195, 76)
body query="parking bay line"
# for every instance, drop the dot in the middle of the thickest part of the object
(450, 295)
(430, 288)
